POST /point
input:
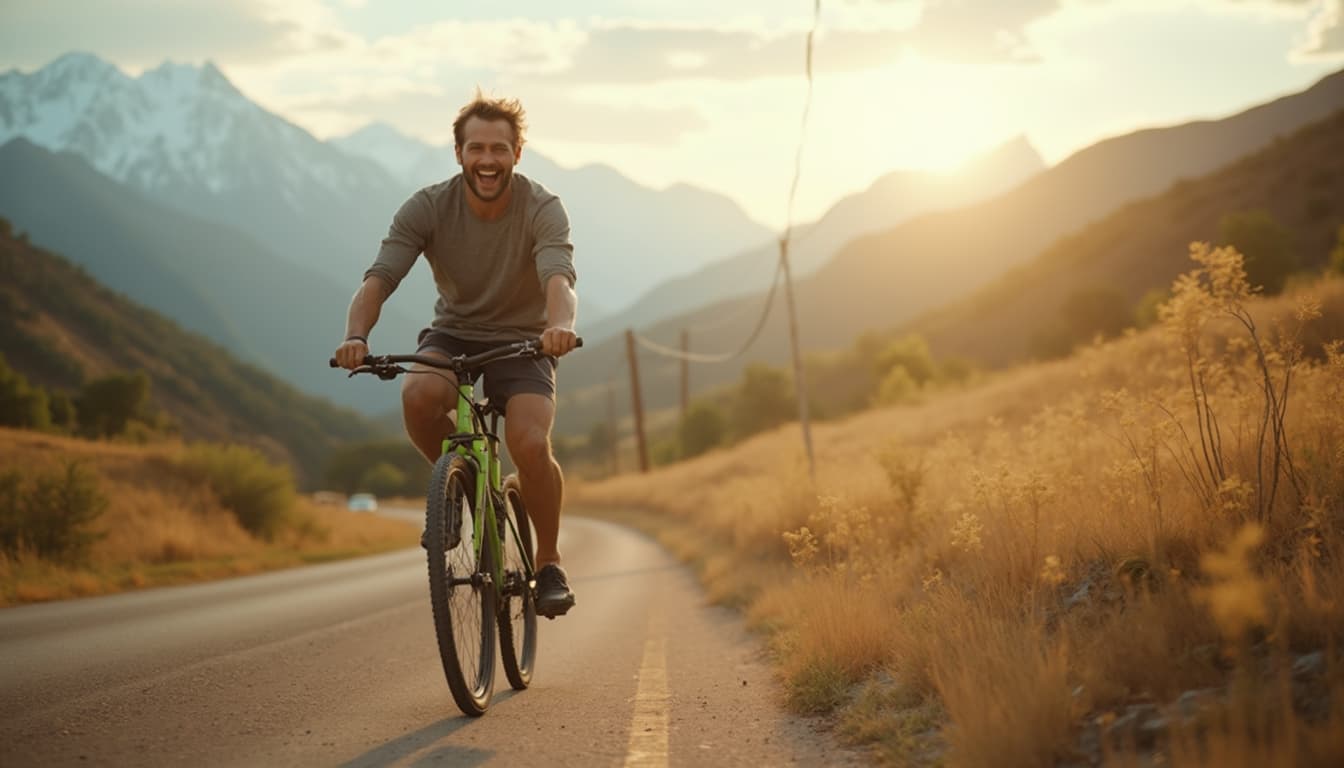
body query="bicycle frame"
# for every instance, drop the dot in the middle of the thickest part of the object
(480, 447)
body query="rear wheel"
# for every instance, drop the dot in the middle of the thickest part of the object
(518, 613)
(460, 589)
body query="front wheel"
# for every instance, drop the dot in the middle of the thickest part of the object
(460, 590)
(518, 613)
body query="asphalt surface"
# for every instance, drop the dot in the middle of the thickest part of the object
(336, 664)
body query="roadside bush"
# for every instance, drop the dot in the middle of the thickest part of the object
(1266, 245)
(21, 404)
(260, 495)
(701, 428)
(51, 513)
(383, 479)
(764, 399)
(106, 405)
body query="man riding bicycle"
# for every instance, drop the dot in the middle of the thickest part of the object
(498, 244)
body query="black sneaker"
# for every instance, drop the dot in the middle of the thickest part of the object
(553, 595)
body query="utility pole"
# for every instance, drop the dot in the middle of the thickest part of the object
(636, 401)
(800, 383)
(685, 372)
(614, 443)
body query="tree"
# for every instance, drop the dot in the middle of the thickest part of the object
(21, 404)
(911, 353)
(1266, 245)
(897, 387)
(1337, 255)
(62, 410)
(601, 441)
(105, 406)
(764, 399)
(701, 429)
(1145, 313)
(383, 479)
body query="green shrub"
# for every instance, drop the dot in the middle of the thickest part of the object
(911, 353)
(897, 387)
(764, 399)
(1337, 255)
(1267, 246)
(701, 429)
(383, 479)
(22, 405)
(106, 405)
(259, 494)
(51, 513)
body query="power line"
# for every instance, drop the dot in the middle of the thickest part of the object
(781, 264)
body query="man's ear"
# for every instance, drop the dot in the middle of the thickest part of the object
(457, 152)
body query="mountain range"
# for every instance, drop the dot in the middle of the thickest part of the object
(884, 280)
(185, 139)
(60, 327)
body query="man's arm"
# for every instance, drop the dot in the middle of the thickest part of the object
(562, 306)
(365, 308)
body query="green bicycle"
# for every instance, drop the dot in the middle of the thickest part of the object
(478, 539)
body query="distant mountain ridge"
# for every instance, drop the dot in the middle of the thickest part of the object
(59, 327)
(212, 278)
(627, 237)
(889, 199)
(185, 138)
(887, 279)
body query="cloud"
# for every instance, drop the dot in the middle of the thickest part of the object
(630, 52)
(142, 33)
(1325, 33)
(978, 31)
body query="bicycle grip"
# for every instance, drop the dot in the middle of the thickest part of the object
(332, 362)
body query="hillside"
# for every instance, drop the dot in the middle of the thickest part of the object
(208, 277)
(890, 199)
(58, 327)
(887, 279)
(1299, 181)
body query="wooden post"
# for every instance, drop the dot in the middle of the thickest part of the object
(685, 372)
(636, 401)
(614, 449)
(798, 381)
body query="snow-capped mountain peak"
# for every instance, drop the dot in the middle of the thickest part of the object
(175, 128)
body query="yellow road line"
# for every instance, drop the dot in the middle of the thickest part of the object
(648, 724)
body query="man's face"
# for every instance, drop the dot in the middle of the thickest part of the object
(487, 156)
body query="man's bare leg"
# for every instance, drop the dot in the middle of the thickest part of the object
(426, 399)
(527, 430)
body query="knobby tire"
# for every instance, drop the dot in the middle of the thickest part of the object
(464, 614)
(518, 611)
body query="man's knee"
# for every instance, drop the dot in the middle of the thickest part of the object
(424, 399)
(531, 449)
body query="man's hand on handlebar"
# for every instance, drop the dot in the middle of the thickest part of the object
(558, 341)
(350, 355)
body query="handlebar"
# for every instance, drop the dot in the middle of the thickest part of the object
(388, 366)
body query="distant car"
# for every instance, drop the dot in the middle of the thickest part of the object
(362, 502)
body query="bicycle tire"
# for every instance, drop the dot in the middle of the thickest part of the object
(464, 612)
(518, 609)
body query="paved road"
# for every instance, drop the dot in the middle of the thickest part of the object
(336, 665)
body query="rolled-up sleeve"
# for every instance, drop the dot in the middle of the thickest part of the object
(553, 251)
(406, 239)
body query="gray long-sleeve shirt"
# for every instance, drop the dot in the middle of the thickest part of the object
(491, 275)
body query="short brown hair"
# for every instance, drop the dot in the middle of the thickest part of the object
(487, 108)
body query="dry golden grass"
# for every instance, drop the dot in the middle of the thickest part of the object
(158, 529)
(1026, 560)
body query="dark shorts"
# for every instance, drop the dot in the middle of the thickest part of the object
(503, 378)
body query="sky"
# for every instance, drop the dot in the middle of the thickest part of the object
(711, 93)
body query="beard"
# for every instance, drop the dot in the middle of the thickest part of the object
(503, 180)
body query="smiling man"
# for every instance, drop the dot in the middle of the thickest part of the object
(498, 245)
